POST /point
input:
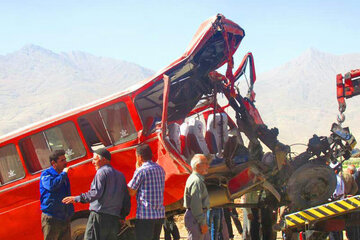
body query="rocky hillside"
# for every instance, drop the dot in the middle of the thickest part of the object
(300, 97)
(36, 83)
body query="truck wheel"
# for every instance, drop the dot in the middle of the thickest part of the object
(78, 227)
(310, 185)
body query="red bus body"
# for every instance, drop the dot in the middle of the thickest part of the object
(19, 199)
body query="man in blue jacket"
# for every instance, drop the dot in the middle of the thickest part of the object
(54, 186)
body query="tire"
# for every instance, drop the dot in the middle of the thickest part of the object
(310, 185)
(78, 227)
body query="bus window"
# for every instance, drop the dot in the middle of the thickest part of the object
(109, 126)
(36, 152)
(94, 131)
(38, 147)
(10, 165)
(118, 123)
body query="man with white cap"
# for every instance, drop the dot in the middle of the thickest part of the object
(108, 197)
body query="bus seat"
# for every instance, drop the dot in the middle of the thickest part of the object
(211, 142)
(184, 130)
(196, 139)
(215, 132)
(174, 135)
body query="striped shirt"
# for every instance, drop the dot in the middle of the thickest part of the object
(149, 181)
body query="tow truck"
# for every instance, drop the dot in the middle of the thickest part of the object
(315, 222)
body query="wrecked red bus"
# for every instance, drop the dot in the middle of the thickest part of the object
(119, 122)
(178, 114)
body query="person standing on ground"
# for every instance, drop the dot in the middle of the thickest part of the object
(214, 221)
(196, 199)
(170, 229)
(148, 185)
(231, 213)
(54, 186)
(338, 194)
(351, 188)
(251, 224)
(108, 197)
(357, 179)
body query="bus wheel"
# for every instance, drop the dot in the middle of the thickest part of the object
(78, 227)
(311, 185)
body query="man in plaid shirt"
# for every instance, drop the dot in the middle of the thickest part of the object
(148, 184)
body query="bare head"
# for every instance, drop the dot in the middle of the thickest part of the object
(57, 159)
(200, 164)
(144, 153)
(351, 169)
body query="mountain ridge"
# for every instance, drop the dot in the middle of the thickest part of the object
(65, 80)
(302, 93)
(298, 97)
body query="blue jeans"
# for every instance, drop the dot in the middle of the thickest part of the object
(214, 219)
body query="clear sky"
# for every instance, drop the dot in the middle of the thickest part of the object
(154, 33)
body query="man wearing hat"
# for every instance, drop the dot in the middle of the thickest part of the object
(108, 197)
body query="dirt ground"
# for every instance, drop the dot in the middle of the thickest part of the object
(183, 233)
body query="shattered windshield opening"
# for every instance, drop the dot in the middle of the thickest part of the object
(149, 103)
(189, 82)
(184, 95)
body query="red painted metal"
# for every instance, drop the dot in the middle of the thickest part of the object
(165, 103)
(347, 86)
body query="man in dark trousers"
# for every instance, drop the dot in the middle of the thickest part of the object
(196, 199)
(148, 184)
(231, 213)
(54, 186)
(171, 231)
(108, 197)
